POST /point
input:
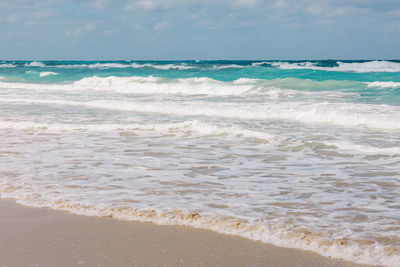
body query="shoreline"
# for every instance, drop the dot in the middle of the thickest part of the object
(43, 237)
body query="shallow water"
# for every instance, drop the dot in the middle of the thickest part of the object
(298, 154)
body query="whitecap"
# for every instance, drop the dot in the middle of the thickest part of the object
(7, 66)
(384, 84)
(359, 67)
(47, 73)
(163, 66)
(35, 64)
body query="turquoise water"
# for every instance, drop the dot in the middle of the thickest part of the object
(302, 154)
(349, 78)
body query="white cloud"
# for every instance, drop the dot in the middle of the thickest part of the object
(29, 18)
(90, 26)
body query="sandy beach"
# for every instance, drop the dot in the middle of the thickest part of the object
(43, 237)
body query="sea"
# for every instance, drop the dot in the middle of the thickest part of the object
(300, 154)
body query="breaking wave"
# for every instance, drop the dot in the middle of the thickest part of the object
(35, 64)
(384, 84)
(7, 66)
(195, 128)
(353, 116)
(275, 88)
(360, 67)
(47, 73)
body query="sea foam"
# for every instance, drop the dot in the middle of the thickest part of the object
(362, 67)
(35, 64)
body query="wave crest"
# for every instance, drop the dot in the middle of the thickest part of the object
(359, 67)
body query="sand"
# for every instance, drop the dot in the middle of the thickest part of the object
(44, 237)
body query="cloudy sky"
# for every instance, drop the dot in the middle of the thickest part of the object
(199, 29)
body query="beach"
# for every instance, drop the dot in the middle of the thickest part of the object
(43, 237)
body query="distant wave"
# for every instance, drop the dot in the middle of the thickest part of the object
(42, 73)
(35, 64)
(337, 66)
(92, 66)
(274, 88)
(7, 66)
(384, 84)
(230, 66)
(163, 66)
(47, 73)
(359, 67)
(131, 65)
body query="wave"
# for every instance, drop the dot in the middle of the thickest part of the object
(47, 73)
(369, 150)
(35, 64)
(257, 64)
(121, 66)
(384, 84)
(359, 67)
(94, 66)
(356, 115)
(42, 73)
(193, 128)
(163, 66)
(345, 115)
(231, 66)
(7, 66)
(103, 65)
(276, 88)
(359, 251)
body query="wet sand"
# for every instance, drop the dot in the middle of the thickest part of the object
(43, 237)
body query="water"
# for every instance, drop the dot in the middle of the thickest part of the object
(302, 154)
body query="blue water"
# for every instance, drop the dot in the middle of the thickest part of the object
(372, 71)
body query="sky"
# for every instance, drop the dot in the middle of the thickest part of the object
(199, 29)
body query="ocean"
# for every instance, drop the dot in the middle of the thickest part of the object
(300, 154)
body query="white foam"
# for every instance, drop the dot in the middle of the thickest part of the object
(198, 86)
(364, 149)
(47, 73)
(384, 84)
(106, 65)
(163, 66)
(144, 85)
(194, 127)
(35, 64)
(256, 64)
(357, 115)
(95, 66)
(363, 67)
(231, 66)
(7, 66)
(353, 116)
(130, 65)
(351, 250)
